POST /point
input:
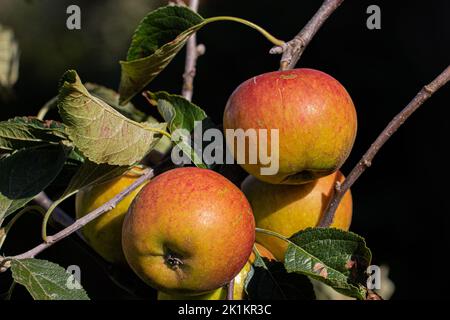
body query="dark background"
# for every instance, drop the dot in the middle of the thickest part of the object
(401, 203)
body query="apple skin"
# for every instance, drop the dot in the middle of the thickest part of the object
(104, 234)
(188, 231)
(315, 116)
(287, 209)
(221, 293)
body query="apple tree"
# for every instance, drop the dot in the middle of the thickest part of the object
(100, 135)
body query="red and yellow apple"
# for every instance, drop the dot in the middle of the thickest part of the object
(287, 209)
(104, 234)
(188, 231)
(314, 115)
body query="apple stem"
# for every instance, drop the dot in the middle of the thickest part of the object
(366, 161)
(291, 51)
(59, 215)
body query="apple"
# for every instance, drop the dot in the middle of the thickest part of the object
(104, 234)
(188, 231)
(221, 293)
(314, 115)
(287, 209)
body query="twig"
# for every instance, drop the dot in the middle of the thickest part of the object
(230, 290)
(147, 174)
(193, 51)
(366, 161)
(293, 49)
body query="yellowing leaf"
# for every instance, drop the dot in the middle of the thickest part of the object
(100, 132)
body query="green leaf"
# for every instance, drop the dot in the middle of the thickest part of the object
(180, 113)
(160, 27)
(9, 206)
(23, 132)
(156, 41)
(273, 282)
(27, 172)
(335, 257)
(46, 280)
(111, 97)
(101, 133)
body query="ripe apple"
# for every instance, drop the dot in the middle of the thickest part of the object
(221, 293)
(315, 117)
(188, 231)
(104, 234)
(287, 209)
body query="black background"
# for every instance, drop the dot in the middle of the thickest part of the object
(401, 203)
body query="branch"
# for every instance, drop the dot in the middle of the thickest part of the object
(78, 224)
(193, 51)
(293, 49)
(366, 161)
(230, 290)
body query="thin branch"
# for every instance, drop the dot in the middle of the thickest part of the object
(366, 161)
(230, 290)
(78, 224)
(293, 49)
(193, 51)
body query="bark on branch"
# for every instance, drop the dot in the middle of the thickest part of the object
(193, 51)
(366, 161)
(292, 50)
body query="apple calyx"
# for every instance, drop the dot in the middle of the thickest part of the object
(172, 261)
